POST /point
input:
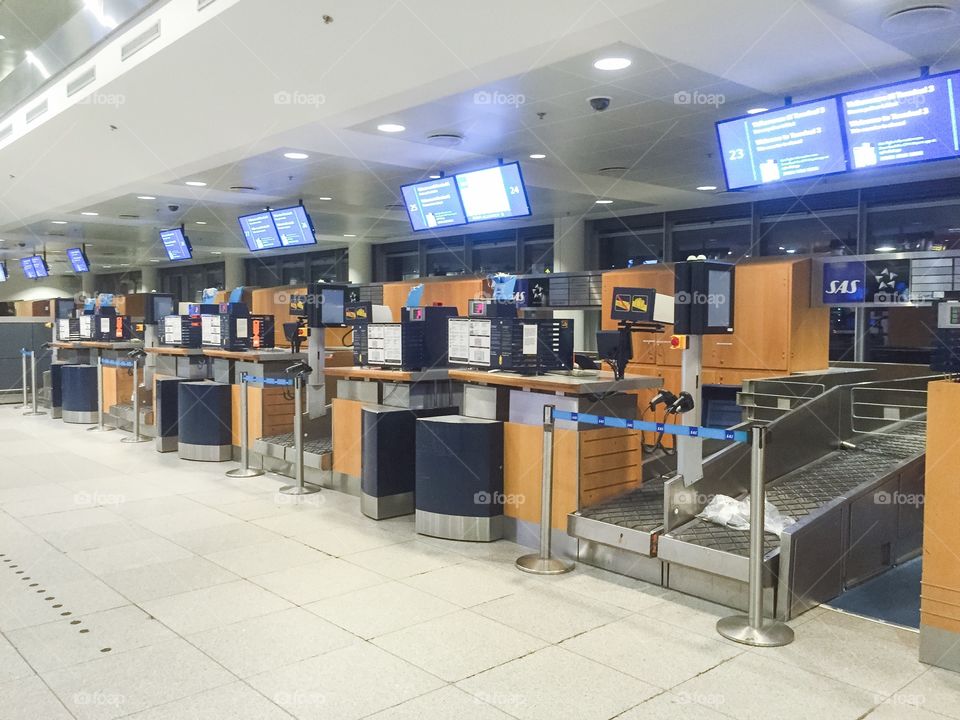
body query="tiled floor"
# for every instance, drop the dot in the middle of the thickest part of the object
(134, 584)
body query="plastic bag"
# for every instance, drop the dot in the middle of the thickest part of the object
(725, 510)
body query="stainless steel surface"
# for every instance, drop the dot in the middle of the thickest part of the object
(485, 401)
(537, 565)
(23, 363)
(631, 521)
(33, 387)
(136, 437)
(689, 449)
(204, 453)
(939, 647)
(387, 506)
(621, 561)
(301, 488)
(244, 471)
(166, 444)
(771, 633)
(100, 427)
(80, 418)
(458, 527)
(361, 390)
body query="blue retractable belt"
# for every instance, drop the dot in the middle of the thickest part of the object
(739, 436)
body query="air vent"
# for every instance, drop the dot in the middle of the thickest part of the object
(918, 19)
(140, 41)
(201, 4)
(613, 171)
(6, 132)
(445, 139)
(36, 111)
(243, 188)
(129, 217)
(81, 81)
(394, 206)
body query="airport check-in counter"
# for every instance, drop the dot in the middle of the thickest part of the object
(589, 463)
(117, 381)
(368, 387)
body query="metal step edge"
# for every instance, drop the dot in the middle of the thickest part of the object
(638, 541)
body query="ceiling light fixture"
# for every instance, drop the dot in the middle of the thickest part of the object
(612, 63)
(58, 222)
(90, 214)
(756, 110)
(216, 252)
(325, 198)
(38, 64)
(603, 202)
(706, 188)
(295, 156)
(349, 235)
(145, 197)
(201, 222)
(537, 156)
(96, 9)
(885, 248)
(390, 128)
(434, 176)
(3, 37)
(196, 183)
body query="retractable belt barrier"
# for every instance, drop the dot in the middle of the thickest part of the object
(738, 436)
(253, 380)
(116, 363)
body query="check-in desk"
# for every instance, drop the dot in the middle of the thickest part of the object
(589, 463)
(183, 363)
(359, 387)
(117, 381)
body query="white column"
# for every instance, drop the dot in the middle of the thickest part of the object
(234, 272)
(569, 255)
(88, 284)
(360, 262)
(149, 279)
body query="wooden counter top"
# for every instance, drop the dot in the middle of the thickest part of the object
(599, 384)
(170, 350)
(380, 374)
(254, 356)
(93, 344)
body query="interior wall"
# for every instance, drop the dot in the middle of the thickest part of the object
(17, 287)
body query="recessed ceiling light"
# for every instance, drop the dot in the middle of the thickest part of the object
(325, 198)
(145, 197)
(434, 176)
(612, 63)
(124, 264)
(295, 156)
(154, 260)
(58, 222)
(603, 202)
(349, 235)
(754, 111)
(201, 222)
(196, 183)
(791, 251)
(216, 252)
(90, 214)
(885, 248)
(108, 266)
(3, 37)
(537, 156)
(390, 128)
(706, 188)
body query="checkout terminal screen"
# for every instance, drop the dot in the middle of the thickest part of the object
(434, 204)
(494, 193)
(902, 123)
(172, 330)
(800, 141)
(259, 232)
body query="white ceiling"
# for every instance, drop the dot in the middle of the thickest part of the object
(512, 77)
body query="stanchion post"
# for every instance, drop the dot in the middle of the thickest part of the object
(244, 471)
(100, 426)
(23, 364)
(753, 629)
(542, 563)
(301, 488)
(33, 386)
(135, 438)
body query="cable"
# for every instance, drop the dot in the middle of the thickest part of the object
(343, 339)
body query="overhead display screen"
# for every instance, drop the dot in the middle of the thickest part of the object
(434, 204)
(799, 141)
(903, 123)
(293, 226)
(493, 194)
(176, 244)
(259, 231)
(78, 260)
(34, 267)
(3, 272)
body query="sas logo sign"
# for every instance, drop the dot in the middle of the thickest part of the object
(844, 282)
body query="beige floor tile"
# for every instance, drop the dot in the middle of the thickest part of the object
(12, 665)
(169, 578)
(404, 559)
(30, 699)
(449, 703)
(472, 582)
(937, 690)
(213, 607)
(347, 539)
(140, 553)
(267, 557)
(327, 578)
(237, 701)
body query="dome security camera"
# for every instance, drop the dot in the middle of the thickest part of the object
(173, 208)
(599, 103)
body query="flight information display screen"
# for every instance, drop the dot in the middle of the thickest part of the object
(434, 204)
(800, 141)
(176, 244)
(493, 194)
(3, 272)
(294, 227)
(34, 267)
(78, 260)
(259, 231)
(903, 123)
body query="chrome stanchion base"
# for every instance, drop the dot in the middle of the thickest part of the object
(307, 489)
(31, 412)
(97, 428)
(539, 566)
(244, 473)
(772, 634)
(134, 439)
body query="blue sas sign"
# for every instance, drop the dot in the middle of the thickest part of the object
(844, 282)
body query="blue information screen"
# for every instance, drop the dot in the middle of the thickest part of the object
(3, 272)
(26, 264)
(801, 141)
(433, 204)
(903, 123)
(493, 193)
(78, 260)
(176, 245)
(293, 226)
(259, 231)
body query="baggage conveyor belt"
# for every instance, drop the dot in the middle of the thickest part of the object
(805, 490)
